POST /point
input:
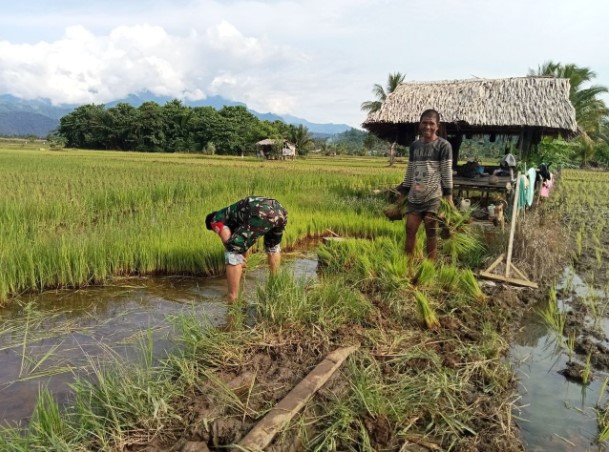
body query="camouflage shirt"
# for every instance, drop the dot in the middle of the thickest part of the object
(250, 218)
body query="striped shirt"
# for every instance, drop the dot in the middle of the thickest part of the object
(429, 174)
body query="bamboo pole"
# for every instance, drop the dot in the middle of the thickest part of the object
(508, 264)
(261, 435)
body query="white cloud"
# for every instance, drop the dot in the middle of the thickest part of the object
(316, 59)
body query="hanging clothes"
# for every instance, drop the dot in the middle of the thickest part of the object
(532, 174)
(522, 192)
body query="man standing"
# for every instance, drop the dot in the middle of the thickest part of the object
(428, 178)
(239, 226)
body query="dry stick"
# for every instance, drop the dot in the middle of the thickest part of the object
(263, 432)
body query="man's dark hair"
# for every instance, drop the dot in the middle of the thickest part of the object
(208, 219)
(431, 112)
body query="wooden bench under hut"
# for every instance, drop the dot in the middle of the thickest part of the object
(521, 110)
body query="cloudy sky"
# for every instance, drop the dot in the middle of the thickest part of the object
(315, 59)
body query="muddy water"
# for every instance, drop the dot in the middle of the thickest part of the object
(555, 414)
(49, 338)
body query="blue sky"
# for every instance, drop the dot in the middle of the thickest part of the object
(316, 59)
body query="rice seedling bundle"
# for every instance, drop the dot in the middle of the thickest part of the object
(426, 311)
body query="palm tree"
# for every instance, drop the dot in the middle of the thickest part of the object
(589, 109)
(372, 106)
(300, 136)
(393, 81)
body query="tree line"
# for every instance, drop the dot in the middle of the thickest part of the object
(174, 127)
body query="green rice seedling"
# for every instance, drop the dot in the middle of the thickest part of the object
(425, 273)
(462, 247)
(552, 317)
(448, 277)
(426, 311)
(283, 299)
(587, 370)
(590, 301)
(571, 345)
(469, 285)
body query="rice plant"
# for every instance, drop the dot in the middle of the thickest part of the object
(552, 316)
(426, 311)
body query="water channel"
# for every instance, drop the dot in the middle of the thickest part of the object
(68, 330)
(47, 339)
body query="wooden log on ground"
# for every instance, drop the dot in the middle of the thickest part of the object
(261, 435)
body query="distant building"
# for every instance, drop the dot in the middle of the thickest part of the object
(276, 149)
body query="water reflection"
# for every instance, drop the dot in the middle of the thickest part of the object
(46, 339)
(554, 413)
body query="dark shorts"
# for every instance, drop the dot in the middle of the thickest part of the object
(431, 206)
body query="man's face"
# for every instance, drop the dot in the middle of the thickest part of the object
(428, 127)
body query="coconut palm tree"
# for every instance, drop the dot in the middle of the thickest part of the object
(393, 81)
(589, 109)
(371, 106)
(302, 139)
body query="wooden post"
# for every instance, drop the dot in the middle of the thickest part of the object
(508, 264)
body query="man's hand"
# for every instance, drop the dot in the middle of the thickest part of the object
(449, 200)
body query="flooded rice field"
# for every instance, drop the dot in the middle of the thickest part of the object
(555, 413)
(49, 338)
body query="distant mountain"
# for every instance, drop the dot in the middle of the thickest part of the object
(331, 129)
(26, 123)
(19, 117)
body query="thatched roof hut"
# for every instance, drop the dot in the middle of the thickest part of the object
(527, 107)
(277, 148)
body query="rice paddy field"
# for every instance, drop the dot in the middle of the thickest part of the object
(429, 371)
(71, 219)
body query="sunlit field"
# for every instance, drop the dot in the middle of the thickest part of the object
(75, 218)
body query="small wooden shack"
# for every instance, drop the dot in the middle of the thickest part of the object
(276, 149)
(524, 107)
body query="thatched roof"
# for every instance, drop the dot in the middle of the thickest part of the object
(266, 142)
(478, 106)
(271, 142)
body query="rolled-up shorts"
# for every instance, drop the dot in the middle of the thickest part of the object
(431, 206)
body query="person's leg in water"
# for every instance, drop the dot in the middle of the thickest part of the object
(274, 260)
(234, 271)
(233, 277)
(431, 226)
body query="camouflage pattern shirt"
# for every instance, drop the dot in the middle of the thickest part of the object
(250, 218)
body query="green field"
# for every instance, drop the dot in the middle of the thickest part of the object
(74, 218)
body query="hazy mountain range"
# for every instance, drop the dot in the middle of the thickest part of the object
(38, 117)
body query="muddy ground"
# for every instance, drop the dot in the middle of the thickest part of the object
(273, 362)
